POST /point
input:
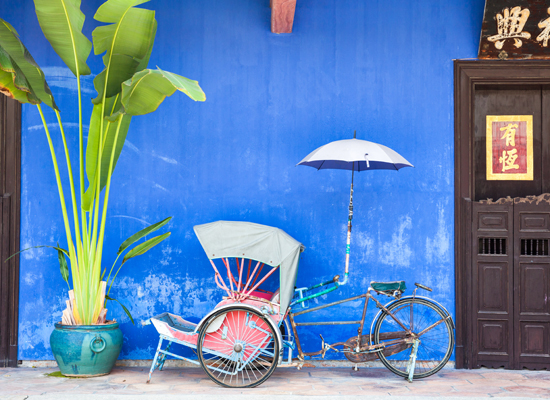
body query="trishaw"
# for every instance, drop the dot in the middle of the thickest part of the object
(251, 331)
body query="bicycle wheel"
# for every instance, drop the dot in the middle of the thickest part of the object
(238, 348)
(436, 344)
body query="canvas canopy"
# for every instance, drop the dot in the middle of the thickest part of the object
(266, 244)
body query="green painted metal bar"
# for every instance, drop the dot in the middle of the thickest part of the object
(312, 296)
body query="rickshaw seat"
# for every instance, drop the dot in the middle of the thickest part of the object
(389, 287)
(262, 295)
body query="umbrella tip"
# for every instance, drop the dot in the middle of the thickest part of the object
(354, 134)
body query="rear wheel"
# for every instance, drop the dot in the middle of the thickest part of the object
(434, 331)
(238, 347)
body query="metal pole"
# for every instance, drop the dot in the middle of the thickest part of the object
(350, 217)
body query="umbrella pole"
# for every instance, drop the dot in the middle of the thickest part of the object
(350, 217)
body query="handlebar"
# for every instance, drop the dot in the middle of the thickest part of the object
(423, 287)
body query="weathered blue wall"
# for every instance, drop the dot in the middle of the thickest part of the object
(381, 67)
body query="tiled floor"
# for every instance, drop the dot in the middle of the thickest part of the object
(286, 381)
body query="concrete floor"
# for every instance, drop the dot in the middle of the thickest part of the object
(314, 383)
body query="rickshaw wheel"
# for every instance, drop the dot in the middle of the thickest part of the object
(435, 347)
(242, 352)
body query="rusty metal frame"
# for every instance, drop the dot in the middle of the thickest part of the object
(371, 348)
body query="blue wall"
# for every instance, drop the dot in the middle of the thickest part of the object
(381, 67)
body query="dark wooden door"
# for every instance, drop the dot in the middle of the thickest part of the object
(511, 283)
(492, 285)
(10, 137)
(532, 283)
(501, 305)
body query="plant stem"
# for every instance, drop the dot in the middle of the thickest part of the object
(81, 161)
(71, 184)
(57, 178)
(107, 189)
(72, 254)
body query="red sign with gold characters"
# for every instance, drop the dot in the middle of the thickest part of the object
(510, 147)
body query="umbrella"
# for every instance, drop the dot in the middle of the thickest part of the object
(355, 155)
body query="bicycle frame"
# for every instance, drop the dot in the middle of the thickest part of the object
(406, 337)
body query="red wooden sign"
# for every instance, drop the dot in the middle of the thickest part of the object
(509, 147)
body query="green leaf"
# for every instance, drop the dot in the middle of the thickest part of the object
(126, 43)
(63, 267)
(13, 82)
(61, 22)
(109, 128)
(142, 233)
(20, 57)
(144, 247)
(112, 106)
(147, 89)
(122, 305)
(38, 247)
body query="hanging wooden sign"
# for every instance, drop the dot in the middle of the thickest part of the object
(515, 29)
(509, 147)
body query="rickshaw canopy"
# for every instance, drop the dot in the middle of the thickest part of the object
(266, 244)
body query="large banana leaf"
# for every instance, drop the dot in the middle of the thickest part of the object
(126, 42)
(112, 105)
(147, 89)
(13, 82)
(20, 56)
(62, 21)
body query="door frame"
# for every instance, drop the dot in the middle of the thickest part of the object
(468, 75)
(10, 193)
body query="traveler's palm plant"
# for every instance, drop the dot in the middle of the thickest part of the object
(125, 88)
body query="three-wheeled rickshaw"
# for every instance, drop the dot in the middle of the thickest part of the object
(251, 331)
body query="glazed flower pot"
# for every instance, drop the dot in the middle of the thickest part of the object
(86, 350)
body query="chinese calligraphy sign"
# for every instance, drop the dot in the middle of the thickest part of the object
(510, 25)
(515, 29)
(509, 147)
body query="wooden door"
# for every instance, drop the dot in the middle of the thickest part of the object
(514, 309)
(532, 283)
(10, 136)
(492, 285)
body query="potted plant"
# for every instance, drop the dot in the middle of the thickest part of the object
(85, 343)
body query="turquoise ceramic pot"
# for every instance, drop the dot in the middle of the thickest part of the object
(86, 350)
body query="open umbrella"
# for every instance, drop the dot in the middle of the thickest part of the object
(355, 155)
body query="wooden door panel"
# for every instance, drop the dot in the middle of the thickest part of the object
(492, 221)
(533, 289)
(532, 284)
(534, 339)
(494, 340)
(10, 177)
(493, 287)
(506, 100)
(535, 222)
(492, 283)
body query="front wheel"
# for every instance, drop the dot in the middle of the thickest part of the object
(429, 323)
(238, 348)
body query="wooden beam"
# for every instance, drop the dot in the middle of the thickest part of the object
(282, 15)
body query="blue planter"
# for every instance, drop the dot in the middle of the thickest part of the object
(86, 350)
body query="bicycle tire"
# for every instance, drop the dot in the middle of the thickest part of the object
(435, 346)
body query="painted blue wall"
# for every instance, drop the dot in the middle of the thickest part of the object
(381, 67)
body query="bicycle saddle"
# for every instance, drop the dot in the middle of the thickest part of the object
(389, 288)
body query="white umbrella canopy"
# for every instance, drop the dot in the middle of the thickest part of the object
(355, 155)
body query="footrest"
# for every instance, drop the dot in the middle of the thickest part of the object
(174, 326)
(389, 287)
